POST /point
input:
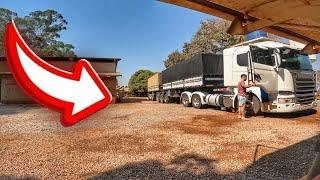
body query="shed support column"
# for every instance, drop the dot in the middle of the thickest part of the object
(309, 49)
(236, 27)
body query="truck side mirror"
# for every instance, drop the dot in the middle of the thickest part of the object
(276, 56)
(276, 61)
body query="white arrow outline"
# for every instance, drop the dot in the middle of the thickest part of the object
(82, 93)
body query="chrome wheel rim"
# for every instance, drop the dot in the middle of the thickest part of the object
(196, 101)
(185, 100)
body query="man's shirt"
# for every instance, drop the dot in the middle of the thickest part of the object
(242, 88)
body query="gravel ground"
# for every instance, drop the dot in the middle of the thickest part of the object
(146, 140)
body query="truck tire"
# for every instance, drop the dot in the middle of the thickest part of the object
(235, 109)
(196, 101)
(161, 98)
(166, 99)
(185, 100)
(255, 108)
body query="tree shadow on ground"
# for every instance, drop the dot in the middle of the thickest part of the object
(188, 166)
(291, 162)
(5, 177)
(6, 109)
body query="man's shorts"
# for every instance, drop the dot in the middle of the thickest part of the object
(242, 100)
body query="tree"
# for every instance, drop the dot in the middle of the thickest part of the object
(212, 37)
(139, 81)
(5, 17)
(41, 30)
(174, 58)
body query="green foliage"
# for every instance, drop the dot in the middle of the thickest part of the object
(41, 30)
(212, 37)
(139, 80)
(5, 17)
(174, 58)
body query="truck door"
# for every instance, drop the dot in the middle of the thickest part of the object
(241, 62)
(263, 70)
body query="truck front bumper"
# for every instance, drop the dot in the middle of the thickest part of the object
(292, 107)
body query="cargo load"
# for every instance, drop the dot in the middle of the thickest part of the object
(200, 70)
(154, 82)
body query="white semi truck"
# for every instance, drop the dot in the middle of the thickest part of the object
(284, 78)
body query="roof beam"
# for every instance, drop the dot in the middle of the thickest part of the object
(300, 27)
(260, 24)
(279, 17)
(276, 7)
(201, 6)
(306, 2)
(274, 24)
(310, 49)
(241, 28)
(288, 34)
(271, 16)
(236, 27)
(260, 5)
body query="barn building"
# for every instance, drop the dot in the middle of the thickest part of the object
(11, 93)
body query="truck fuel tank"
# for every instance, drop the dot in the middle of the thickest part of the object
(215, 99)
(220, 100)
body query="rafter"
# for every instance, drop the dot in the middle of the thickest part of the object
(300, 27)
(269, 16)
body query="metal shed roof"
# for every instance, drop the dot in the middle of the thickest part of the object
(90, 59)
(298, 20)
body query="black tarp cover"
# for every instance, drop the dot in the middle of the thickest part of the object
(205, 65)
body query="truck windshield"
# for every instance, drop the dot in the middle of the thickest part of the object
(262, 56)
(294, 60)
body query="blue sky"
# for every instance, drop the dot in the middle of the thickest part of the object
(140, 32)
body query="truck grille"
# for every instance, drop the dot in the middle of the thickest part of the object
(305, 90)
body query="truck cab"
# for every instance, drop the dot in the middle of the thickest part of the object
(284, 76)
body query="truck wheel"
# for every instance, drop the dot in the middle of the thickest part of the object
(235, 109)
(158, 97)
(166, 99)
(161, 98)
(185, 100)
(255, 108)
(196, 101)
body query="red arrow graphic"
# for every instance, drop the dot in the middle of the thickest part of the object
(76, 95)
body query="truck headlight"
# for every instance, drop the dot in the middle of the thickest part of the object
(285, 100)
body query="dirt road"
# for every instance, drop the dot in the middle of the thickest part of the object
(146, 140)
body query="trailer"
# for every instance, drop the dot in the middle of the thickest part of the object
(154, 86)
(208, 72)
(283, 75)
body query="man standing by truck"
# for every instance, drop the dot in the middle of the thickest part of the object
(242, 96)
